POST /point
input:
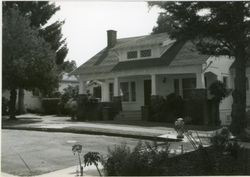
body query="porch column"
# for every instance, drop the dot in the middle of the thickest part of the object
(153, 85)
(82, 101)
(82, 87)
(116, 87)
(200, 81)
(105, 92)
(117, 98)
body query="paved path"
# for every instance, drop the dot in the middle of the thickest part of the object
(63, 124)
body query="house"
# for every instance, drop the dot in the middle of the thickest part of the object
(33, 99)
(136, 69)
(67, 80)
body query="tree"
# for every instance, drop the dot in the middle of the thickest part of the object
(28, 61)
(39, 13)
(67, 66)
(217, 28)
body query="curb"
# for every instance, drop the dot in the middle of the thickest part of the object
(90, 132)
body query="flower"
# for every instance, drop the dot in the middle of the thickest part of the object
(77, 148)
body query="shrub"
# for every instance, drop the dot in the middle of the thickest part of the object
(70, 94)
(167, 110)
(144, 159)
(50, 105)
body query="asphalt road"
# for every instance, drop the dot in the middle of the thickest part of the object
(32, 152)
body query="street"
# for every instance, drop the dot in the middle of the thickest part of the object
(32, 152)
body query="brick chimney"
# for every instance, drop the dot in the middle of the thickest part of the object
(111, 34)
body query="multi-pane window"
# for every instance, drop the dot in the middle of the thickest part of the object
(145, 53)
(124, 91)
(128, 91)
(132, 54)
(35, 92)
(225, 81)
(133, 92)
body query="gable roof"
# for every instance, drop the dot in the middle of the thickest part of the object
(174, 54)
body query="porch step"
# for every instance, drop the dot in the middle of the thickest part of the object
(128, 116)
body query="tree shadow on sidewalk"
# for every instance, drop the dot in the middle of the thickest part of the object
(24, 120)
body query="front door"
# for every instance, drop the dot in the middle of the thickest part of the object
(147, 92)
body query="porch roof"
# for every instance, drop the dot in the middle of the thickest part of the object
(175, 54)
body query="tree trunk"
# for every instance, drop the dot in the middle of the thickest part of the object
(13, 103)
(21, 108)
(238, 114)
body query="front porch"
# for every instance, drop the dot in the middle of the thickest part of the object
(132, 90)
(136, 91)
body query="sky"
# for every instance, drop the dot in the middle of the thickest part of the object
(86, 24)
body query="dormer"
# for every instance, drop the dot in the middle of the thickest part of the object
(139, 48)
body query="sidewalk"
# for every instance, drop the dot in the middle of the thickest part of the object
(67, 172)
(64, 124)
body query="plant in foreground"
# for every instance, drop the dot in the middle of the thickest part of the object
(92, 158)
(77, 148)
(145, 159)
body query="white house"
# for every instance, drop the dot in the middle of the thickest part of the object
(67, 80)
(137, 68)
(33, 99)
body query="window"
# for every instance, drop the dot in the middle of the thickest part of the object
(225, 81)
(97, 92)
(111, 91)
(128, 91)
(124, 91)
(35, 92)
(133, 92)
(145, 53)
(188, 84)
(132, 54)
(176, 87)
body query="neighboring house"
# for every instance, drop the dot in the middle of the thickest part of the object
(32, 99)
(138, 68)
(66, 81)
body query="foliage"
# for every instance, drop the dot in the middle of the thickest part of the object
(219, 90)
(69, 94)
(39, 13)
(67, 66)
(92, 158)
(50, 105)
(27, 58)
(167, 109)
(210, 26)
(77, 148)
(145, 159)
(28, 61)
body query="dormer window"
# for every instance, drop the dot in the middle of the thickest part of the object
(145, 53)
(132, 54)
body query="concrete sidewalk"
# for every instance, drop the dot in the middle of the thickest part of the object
(67, 172)
(64, 124)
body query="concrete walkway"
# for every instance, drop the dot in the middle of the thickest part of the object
(67, 172)
(64, 124)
